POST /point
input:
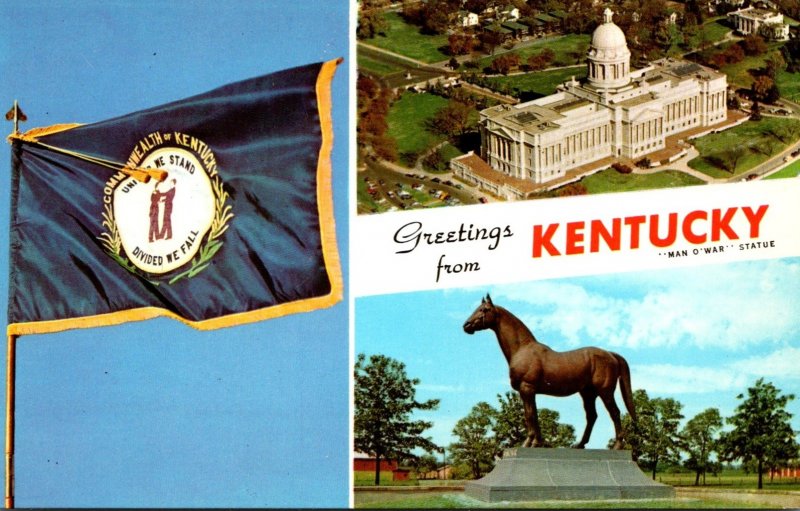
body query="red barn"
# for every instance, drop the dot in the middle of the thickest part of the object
(366, 463)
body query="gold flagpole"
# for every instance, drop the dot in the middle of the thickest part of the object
(11, 359)
(16, 116)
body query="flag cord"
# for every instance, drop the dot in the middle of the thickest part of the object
(141, 174)
(91, 159)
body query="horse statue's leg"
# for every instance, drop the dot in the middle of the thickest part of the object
(613, 410)
(588, 396)
(531, 418)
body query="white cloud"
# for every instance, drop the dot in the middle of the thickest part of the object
(668, 379)
(441, 388)
(782, 363)
(729, 306)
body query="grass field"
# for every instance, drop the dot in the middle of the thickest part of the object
(539, 83)
(736, 479)
(407, 40)
(610, 180)
(408, 118)
(367, 478)
(789, 85)
(749, 134)
(397, 500)
(791, 170)
(569, 49)
(714, 30)
(375, 66)
(741, 73)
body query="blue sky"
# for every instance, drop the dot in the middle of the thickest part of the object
(701, 335)
(154, 413)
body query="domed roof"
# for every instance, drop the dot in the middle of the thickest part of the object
(608, 36)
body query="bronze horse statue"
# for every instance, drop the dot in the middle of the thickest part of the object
(536, 369)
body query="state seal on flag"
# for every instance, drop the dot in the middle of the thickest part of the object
(168, 228)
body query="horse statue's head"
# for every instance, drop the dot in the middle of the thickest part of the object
(483, 317)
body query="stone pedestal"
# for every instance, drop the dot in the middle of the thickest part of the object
(526, 474)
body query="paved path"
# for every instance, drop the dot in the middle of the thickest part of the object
(681, 165)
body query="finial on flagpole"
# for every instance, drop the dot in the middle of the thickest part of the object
(17, 115)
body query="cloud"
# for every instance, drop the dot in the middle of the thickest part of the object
(441, 388)
(669, 379)
(728, 306)
(778, 364)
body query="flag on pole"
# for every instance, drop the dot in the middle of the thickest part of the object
(215, 210)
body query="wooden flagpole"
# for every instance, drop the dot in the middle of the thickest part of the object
(11, 362)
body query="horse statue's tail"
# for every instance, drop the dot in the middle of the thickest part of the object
(625, 386)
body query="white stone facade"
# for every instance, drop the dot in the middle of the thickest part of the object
(768, 24)
(616, 112)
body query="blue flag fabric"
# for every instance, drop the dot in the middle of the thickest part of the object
(214, 210)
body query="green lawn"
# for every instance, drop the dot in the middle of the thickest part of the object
(714, 30)
(408, 118)
(569, 49)
(736, 479)
(610, 180)
(789, 85)
(791, 170)
(407, 40)
(375, 66)
(543, 82)
(750, 134)
(449, 151)
(367, 478)
(397, 500)
(739, 74)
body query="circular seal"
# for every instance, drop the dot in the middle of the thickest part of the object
(167, 227)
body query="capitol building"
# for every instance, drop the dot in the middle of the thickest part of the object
(617, 112)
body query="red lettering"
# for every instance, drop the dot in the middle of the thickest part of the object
(544, 240)
(672, 231)
(613, 239)
(636, 223)
(690, 236)
(721, 223)
(755, 218)
(575, 238)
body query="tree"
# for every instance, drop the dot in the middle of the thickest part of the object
(755, 111)
(655, 437)
(754, 44)
(452, 119)
(541, 60)
(425, 463)
(385, 399)
(370, 23)
(510, 424)
(504, 63)
(475, 446)
(764, 89)
(490, 40)
(762, 432)
(728, 159)
(700, 440)
(459, 44)
(774, 64)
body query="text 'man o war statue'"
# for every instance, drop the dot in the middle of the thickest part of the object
(536, 369)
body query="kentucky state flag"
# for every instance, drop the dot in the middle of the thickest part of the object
(214, 210)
